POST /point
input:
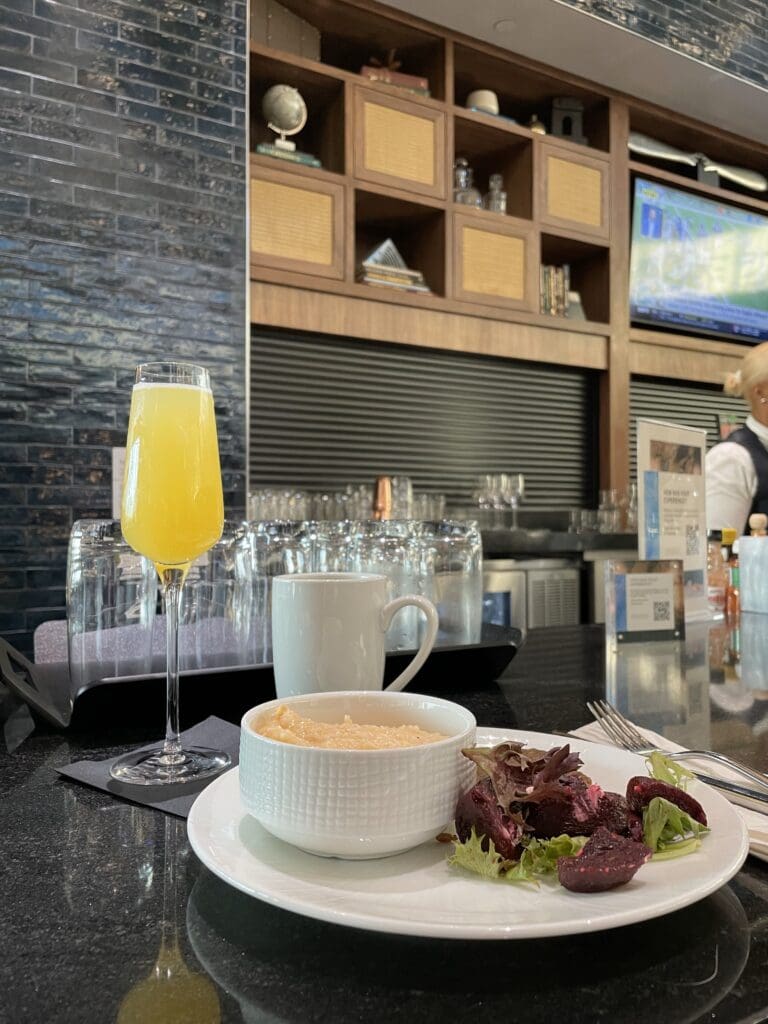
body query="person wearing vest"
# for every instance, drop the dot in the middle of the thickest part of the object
(737, 468)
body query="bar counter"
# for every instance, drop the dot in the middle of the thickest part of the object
(108, 916)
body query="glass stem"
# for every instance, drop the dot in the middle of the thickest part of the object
(172, 582)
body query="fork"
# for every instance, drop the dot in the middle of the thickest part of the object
(624, 734)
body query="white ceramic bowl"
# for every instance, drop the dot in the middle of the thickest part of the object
(357, 803)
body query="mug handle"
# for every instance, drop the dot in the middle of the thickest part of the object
(387, 614)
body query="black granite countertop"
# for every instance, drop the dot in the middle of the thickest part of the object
(108, 916)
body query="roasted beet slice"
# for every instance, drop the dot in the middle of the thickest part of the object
(587, 808)
(641, 790)
(635, 827)
(479, 808)
(606, 862)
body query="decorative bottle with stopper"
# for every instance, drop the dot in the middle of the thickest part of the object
(495, 198)
(463, 190)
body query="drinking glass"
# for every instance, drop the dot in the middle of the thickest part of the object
(217, 606)
(276, 549)
(111, 599)
(391, 548)
(513, 493)
(451, 567)
(172, 512)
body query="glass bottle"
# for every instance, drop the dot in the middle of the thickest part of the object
(495, 198)
(717, 578)
(733, 593)
(464, 191)
(537, 126)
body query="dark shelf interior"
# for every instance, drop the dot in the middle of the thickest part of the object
(349, 37)
(323, 134)
(690, 139)
(417, 230)
(590, 272)
(524, 92)
(491, 150)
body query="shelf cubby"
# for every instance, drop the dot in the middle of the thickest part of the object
(418, 231)
(688, 138)
(524, 91)
(492, 150)
(590, 271)
(351, 36)
(324, 133)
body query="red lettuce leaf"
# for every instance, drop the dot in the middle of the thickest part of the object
(519, 774)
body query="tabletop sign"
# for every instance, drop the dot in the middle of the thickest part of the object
(644, 600)
(672, 504)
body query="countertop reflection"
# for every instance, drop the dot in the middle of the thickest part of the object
(709, 691)
(109, 916)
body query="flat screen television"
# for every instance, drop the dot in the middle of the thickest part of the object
(698, 265)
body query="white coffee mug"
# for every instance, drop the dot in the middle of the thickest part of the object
(328, 632)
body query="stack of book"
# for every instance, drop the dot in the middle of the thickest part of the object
(555, 284)
(409, 83)
(385, 266)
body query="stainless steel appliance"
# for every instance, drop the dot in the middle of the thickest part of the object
(531, 592)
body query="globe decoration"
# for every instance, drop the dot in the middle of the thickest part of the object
(285, 112)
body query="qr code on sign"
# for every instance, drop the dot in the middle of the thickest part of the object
(691, 539)
(662, 611)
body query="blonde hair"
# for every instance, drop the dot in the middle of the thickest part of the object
(754, 369)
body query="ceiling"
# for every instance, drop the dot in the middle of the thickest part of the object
(558, 35)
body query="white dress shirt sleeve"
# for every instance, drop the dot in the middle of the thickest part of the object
(731, 486)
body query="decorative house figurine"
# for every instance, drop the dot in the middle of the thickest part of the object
(567, 118)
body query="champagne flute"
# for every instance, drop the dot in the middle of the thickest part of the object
(172, 513)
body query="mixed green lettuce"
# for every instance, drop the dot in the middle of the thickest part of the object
(538, 859)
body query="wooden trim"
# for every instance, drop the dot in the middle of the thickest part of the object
(734, 350)
(676, 364)
(299, 309)
(334, 269)
(393, 192)
(683, 358)
(508, 227)
(412, 108)
(550, 149)
(614, 386)
(339, 74)
(499, 124)
(259, 164)
(350, 289)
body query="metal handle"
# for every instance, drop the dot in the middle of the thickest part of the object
(711, 755)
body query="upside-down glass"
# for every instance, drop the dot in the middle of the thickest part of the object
(172, 512)
(111, 599)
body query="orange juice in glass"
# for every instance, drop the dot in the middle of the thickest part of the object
(172, 513)
(173, 509)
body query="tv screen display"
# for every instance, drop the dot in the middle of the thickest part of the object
(697, 264)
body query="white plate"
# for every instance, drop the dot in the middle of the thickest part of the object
(417, 893)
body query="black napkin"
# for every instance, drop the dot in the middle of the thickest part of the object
(176, 799)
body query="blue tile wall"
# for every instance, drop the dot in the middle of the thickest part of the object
(122, 239)
(728, 34)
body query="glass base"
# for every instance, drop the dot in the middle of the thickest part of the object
(154, 768)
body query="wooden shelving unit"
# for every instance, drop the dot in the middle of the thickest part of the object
(387, 171)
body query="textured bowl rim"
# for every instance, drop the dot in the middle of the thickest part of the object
(332, 577)
(398, 696)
